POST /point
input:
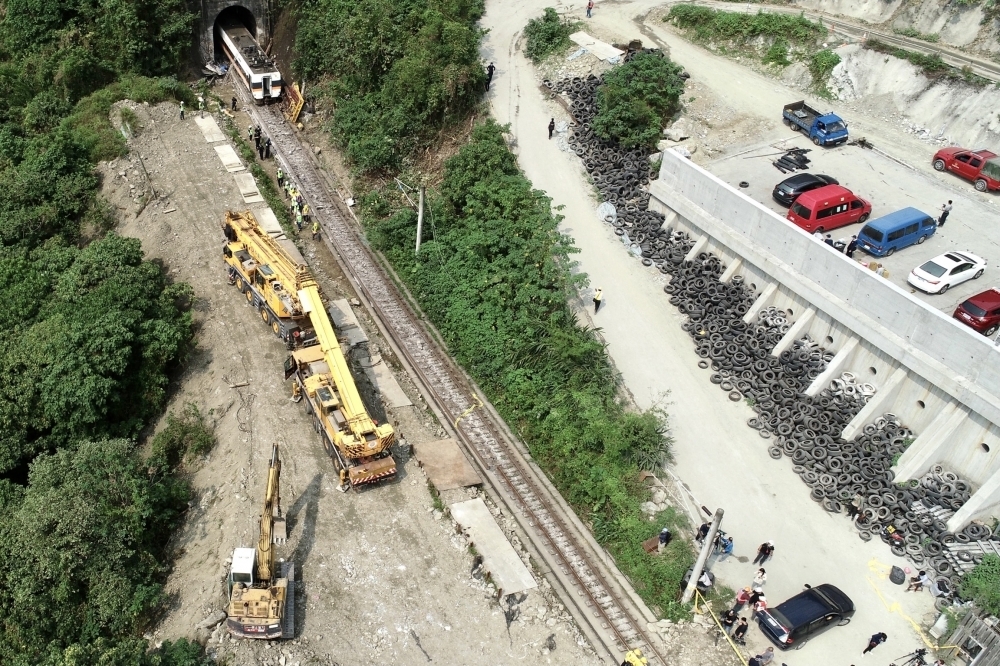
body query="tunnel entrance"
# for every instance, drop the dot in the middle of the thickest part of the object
(233, 14)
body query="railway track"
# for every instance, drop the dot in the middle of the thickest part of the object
(606, 610)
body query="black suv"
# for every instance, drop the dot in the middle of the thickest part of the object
(808, 613)
(788, 190)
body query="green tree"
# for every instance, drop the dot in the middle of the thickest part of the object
(636, 98)
(547, 34)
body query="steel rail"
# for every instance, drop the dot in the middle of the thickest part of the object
(558, 540)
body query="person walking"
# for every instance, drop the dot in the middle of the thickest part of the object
(739, 634)
(945, 211)
(729, 619)
(489, 74)
(281, 179)
(763, 552)
(249, 132)
(742, 598)
(590, 7)
(260, 150)
(316, 230)
(760, 578)
(234, 104)
(256, 137)
(663, 540)
(634, 658)
(267, 148)
(552, 127)
(851, 247)
(875, 641)
(306, 213)
(182, 109)
(597, 300)
(298, 220)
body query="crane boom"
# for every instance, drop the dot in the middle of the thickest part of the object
(268, 516)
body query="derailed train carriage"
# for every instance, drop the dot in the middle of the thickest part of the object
(257, 70)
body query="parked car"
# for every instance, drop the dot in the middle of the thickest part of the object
(945, 271)
(809, 613)
(788, 190)
(883, 236)
(980, 166)
(981, 312)
(828, 207)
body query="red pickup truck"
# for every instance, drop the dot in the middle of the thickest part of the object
(982, 167)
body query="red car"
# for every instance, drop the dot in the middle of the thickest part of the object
(981, 312)
(980, 166)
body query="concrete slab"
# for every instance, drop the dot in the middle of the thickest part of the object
(248, 188)
(445, 464)
(392, 392)
(602, 50)
(346, 323)
(210, 129)
(229, 158)
(499, 557)
(269, 222)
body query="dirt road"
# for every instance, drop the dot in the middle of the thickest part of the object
(723, 461)
(383, 576)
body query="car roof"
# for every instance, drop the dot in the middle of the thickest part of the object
(823, 193)
(801, 179)
(892, 220)
(986, 299)
(830, 118)
(953, 258)
(813, 603)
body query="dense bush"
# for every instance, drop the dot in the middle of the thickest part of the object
(982, 584)
(88, 336)
(495, 279)
(395, 72)
(547, 35)
(713, 25)
(636, 98)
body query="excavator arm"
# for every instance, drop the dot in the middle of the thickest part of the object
(272, 524)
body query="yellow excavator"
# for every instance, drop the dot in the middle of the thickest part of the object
(359, 445)
(262, 601)
(271, 272)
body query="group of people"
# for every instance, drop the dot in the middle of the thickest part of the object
(263, 143)
(298, 206)
(848, 248)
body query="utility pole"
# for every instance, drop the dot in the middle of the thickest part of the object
(706, 548)
(420, 219)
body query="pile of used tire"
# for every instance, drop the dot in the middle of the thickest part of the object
(807, 428)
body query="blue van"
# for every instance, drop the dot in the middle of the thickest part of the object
(882, 237)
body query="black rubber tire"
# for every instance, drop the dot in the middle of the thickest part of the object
(981, 185)
(944, 289)
(978, 274)
(938, 165)
(920, 241)
(891, 252)
(863, 218)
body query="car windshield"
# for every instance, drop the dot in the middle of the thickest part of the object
(873, 233)
(780, 619)
(835, 127)
(933, 269)
(973, 310)
(801, 211)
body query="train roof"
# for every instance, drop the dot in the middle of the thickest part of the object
(248, 48)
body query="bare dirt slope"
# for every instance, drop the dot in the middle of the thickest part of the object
(383, 576)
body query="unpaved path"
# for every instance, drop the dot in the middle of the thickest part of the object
(723, 461)
(383, 577)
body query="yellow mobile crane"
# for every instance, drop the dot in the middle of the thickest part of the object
(276, 280)
(269, 271)
(262, 602)
(360, 446)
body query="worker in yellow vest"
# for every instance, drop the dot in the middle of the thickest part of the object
(634, 658)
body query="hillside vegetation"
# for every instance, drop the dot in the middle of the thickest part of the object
(89, 335)
(494, 272)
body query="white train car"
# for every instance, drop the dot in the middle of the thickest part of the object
(257, 70)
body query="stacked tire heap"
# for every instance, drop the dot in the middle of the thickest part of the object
(619, 174)
(805, 428)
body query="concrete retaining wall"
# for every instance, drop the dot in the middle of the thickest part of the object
(947, 366)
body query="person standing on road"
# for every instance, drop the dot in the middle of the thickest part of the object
(249, 132)
(316, 230)
(945, 211)
(281, 179)
(851, 247)
(828, 239)
(489, 74)
(739, 634)
(728, 620)
(597, 300)
(663, 540)
(760, 578)
(298, 220)
(763, 552)
(754, 596)
(256, 137)
(875, 641)
(182, 109)
(267, 148)
(234, 104)
(702, 532)
(590, 7)
(306, 213)
(742, 598)
(760, 604)
(260, 149)
(552, 127)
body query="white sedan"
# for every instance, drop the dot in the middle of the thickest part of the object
(945, 271)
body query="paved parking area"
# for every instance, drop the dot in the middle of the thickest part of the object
(889, 185)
